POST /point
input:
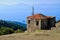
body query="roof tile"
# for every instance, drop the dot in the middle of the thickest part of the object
(39, 16)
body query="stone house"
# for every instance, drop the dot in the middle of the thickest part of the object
(40, 22)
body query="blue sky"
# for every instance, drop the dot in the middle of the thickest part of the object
(18, 10)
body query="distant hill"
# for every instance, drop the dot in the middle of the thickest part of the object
(13, 24)
(19, 23)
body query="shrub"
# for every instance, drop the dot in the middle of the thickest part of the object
(18, 31)
(6, 30)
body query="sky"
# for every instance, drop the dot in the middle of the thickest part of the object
(18, 10)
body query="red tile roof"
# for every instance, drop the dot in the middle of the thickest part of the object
(39, 16)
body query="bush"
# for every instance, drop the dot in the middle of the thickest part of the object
(18, 31)
(0, 33)
(6, 30)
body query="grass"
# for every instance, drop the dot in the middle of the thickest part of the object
(38, 35)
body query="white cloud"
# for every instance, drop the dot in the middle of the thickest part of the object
(8, 3)
(14, 2)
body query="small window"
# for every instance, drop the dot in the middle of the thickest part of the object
(28, 21)
(37, 23)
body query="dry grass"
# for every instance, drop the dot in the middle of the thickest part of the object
(42, 35)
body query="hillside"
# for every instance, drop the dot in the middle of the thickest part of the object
(13, 24)
(9, 27)
(32, 36)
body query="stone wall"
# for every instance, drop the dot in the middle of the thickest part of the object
(32, 26)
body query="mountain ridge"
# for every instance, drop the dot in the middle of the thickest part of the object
(13, 24)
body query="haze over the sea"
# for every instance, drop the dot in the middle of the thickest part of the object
(18, 10)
